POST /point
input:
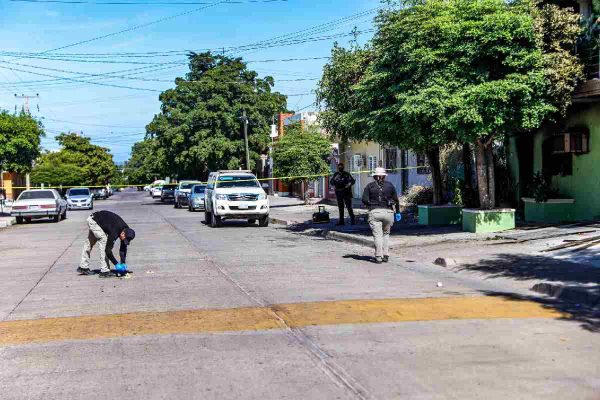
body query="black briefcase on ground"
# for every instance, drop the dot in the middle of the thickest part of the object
(321, 216)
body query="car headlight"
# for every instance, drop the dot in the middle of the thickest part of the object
(221, 197)
(262, 196)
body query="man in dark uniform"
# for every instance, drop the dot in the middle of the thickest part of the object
(342, 181)
(379, 196)
(105, 228)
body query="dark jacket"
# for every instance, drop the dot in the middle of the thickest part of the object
(340, 181)
(112, 225)
(380, 195)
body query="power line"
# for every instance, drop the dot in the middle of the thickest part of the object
(135, 27)
(81, 81)
(135, 3)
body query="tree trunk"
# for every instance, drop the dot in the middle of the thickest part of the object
(485, 174)
(433, 155)
(468, 175)
(491, 174)
(468, 167)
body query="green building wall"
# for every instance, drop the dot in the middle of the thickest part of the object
(584, 184)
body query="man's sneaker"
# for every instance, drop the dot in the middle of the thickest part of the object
(386, 258)
(84, 271)
(378, 260)
(106, 274)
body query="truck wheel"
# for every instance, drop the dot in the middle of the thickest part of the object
(251, 221)
(207, 217)
(263, 221)
(176, 205)
(64, 216)
(56, 218)
(19, 220)
(215, 221)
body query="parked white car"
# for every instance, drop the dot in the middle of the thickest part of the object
(182, 193)
(39, 203)
(80, 198)
(156, 192)
(235, 195)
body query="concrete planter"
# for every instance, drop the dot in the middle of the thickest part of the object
(551, 211)
(449, 214)
(485, 221)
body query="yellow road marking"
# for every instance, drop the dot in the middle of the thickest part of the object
(263, 318)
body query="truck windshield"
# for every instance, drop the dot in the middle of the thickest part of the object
(235, 181)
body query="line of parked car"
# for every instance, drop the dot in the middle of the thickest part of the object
(226, 195)
(50, 203)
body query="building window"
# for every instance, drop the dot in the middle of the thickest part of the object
(422, 164)
(553, 162)
(391, 159)
(372, 164)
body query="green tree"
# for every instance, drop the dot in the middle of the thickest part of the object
(78, 162)
(20, 137)
(301, 154)
(468, 71)
(336, 91)
(199, 127)
(145, 164)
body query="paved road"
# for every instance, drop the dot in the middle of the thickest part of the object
(264, 313)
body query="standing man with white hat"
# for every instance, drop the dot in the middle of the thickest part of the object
(379, 196)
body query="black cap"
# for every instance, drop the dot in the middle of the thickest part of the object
(129, 235)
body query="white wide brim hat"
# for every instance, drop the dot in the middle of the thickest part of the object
(379, 172)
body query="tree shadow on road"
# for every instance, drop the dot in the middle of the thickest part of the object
(525, 267)
(588, 317)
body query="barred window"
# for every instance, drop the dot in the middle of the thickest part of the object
(372, 164)
(391, 159)
(423, 164)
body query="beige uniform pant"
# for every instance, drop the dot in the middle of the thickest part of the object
(95, 235)
(381, 221)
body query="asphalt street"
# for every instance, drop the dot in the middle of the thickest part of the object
(242, 312)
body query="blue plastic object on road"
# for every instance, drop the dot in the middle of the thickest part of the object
(121, 268)
(398, 217)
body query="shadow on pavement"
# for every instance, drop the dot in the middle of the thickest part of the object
(524, 267)
(360, 257)
(588, 317)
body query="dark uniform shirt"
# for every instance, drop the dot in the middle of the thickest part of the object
(380, 195)
(340, 181)
(112, 225)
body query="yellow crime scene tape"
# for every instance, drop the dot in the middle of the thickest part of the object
(297, 177)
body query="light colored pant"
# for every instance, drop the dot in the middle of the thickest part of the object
(96, 235)
(381, 221)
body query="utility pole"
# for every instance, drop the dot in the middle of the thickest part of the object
(26, 98)
(244, 119)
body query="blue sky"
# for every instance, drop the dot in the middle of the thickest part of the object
(115, 117)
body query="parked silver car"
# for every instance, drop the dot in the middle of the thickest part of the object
(196, 200)
(39, 203)
(80, 198)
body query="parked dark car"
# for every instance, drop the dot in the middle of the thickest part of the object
(168, 192)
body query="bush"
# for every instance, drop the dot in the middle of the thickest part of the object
(418, 195)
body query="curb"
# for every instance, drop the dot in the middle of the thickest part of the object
(586, 295)
(347, 237)
(327, 234)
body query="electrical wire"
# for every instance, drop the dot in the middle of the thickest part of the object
(134, 3)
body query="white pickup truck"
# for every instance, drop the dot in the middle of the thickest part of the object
(235, 195)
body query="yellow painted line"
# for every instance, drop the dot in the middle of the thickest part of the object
(264, 318)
